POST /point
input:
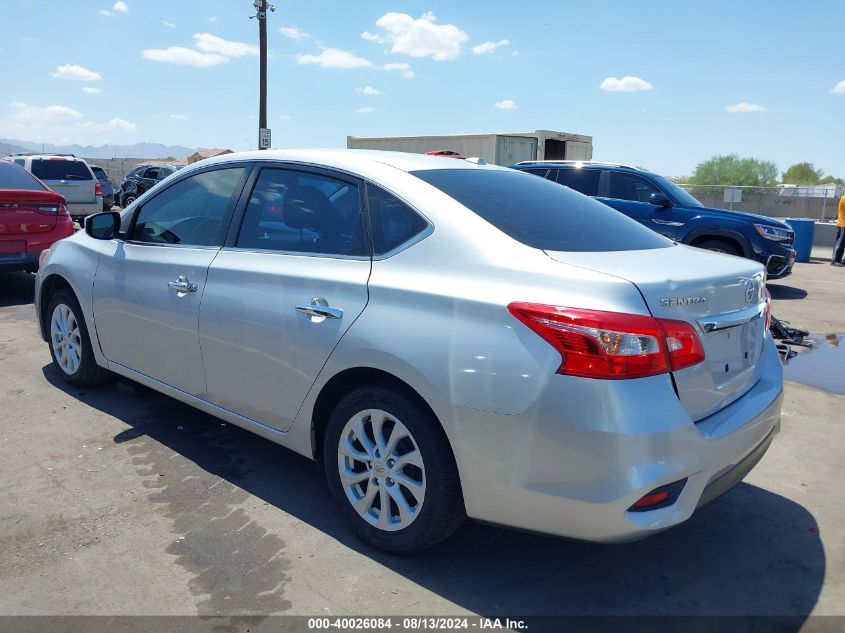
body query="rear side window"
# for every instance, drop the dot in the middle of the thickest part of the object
(393, 221)
(14, 177)
(298, 212)
(60, 169)
(584, 181)
(541, 213)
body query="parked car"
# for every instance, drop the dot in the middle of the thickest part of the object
(448, 338)
(105, 185)
(448, 153)
(32, 218)
(142, 179)
(69, 176)
(666, 208)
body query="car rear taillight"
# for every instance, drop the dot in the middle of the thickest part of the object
(598, 344)
(98, 189)
(768, 310)
(50, 209)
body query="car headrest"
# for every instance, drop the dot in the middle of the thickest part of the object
(310, 208)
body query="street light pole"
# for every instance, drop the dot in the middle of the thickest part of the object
(262, 6)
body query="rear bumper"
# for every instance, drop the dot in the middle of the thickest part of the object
(10, 262)
(575, 461)
(25, 257)
(83, 209)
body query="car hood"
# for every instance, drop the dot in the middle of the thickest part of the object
(740, 215)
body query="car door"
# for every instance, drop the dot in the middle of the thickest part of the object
(630, 193)
(283, 291)
(149, 286)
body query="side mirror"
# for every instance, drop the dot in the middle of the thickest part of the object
(103, 226)
(660, 199)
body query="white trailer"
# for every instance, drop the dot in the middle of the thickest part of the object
(499, 149)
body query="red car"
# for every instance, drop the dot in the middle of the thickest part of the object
(32, 218)
(445, 152)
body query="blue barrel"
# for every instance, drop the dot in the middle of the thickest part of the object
(804, 231)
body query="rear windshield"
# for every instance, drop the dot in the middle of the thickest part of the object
(14, 177)
(541, 213)
(60, 169)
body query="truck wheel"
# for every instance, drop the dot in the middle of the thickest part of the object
(389, 464)
(719, 246)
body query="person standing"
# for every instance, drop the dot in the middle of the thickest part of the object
(839, 246)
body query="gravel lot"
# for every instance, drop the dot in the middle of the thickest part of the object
(118, 503)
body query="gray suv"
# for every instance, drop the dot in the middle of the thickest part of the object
(68, 175)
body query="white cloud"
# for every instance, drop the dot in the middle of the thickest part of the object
(506, 104)
(746, 107)
(59, 124)
(169, 25)
(183, 56)
(119, 7)
(335, 58)
(489, 47)
(73, 71)
(407, 73)
(212, 44)
(839, 88)
(364, 110)
(212, 18)
(626, 84)
(91, 91)
(418, 37)
(369, 90)
(293, 32)
(179, 117)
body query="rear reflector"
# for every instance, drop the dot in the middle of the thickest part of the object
(659, 497)
(598, 344)
(98, 189)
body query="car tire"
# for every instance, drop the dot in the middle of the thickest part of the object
(719, 246)
(70, 346)
(415, 469)
(128, 200)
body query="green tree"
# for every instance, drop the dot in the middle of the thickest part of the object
(831, 180)
(730, 169)
(802, 174)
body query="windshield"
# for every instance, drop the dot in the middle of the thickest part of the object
(540, 213)
(680, 195)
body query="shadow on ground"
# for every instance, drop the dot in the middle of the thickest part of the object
(779, 291)
(750, 552)
(16, 289)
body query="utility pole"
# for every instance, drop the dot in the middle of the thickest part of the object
(261, 7)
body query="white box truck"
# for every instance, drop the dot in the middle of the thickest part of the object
(500, 149)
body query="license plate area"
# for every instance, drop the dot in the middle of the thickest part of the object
(12, 249)
(733, 352)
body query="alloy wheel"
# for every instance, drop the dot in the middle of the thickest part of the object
(65, 339)
(381, 470)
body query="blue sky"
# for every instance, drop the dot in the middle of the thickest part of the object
(185, 72)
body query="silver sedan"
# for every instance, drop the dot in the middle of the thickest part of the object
(450, 339)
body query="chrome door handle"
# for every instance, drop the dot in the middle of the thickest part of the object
(319, 308)
(181, 284)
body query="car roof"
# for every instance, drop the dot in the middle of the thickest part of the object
(350, 159)
(577, 164)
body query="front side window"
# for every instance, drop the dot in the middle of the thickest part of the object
(192, 212)
(299, 212)
(541, 213)
(625, 186)
(582, 180)
(60, 169)
(151, 173)
(393, 221)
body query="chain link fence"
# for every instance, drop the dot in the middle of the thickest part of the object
(817, 202)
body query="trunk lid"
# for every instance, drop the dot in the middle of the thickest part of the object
(71, 178)
(24, 211)
(723, 297)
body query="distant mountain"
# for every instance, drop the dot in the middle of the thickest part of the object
(138, 150)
